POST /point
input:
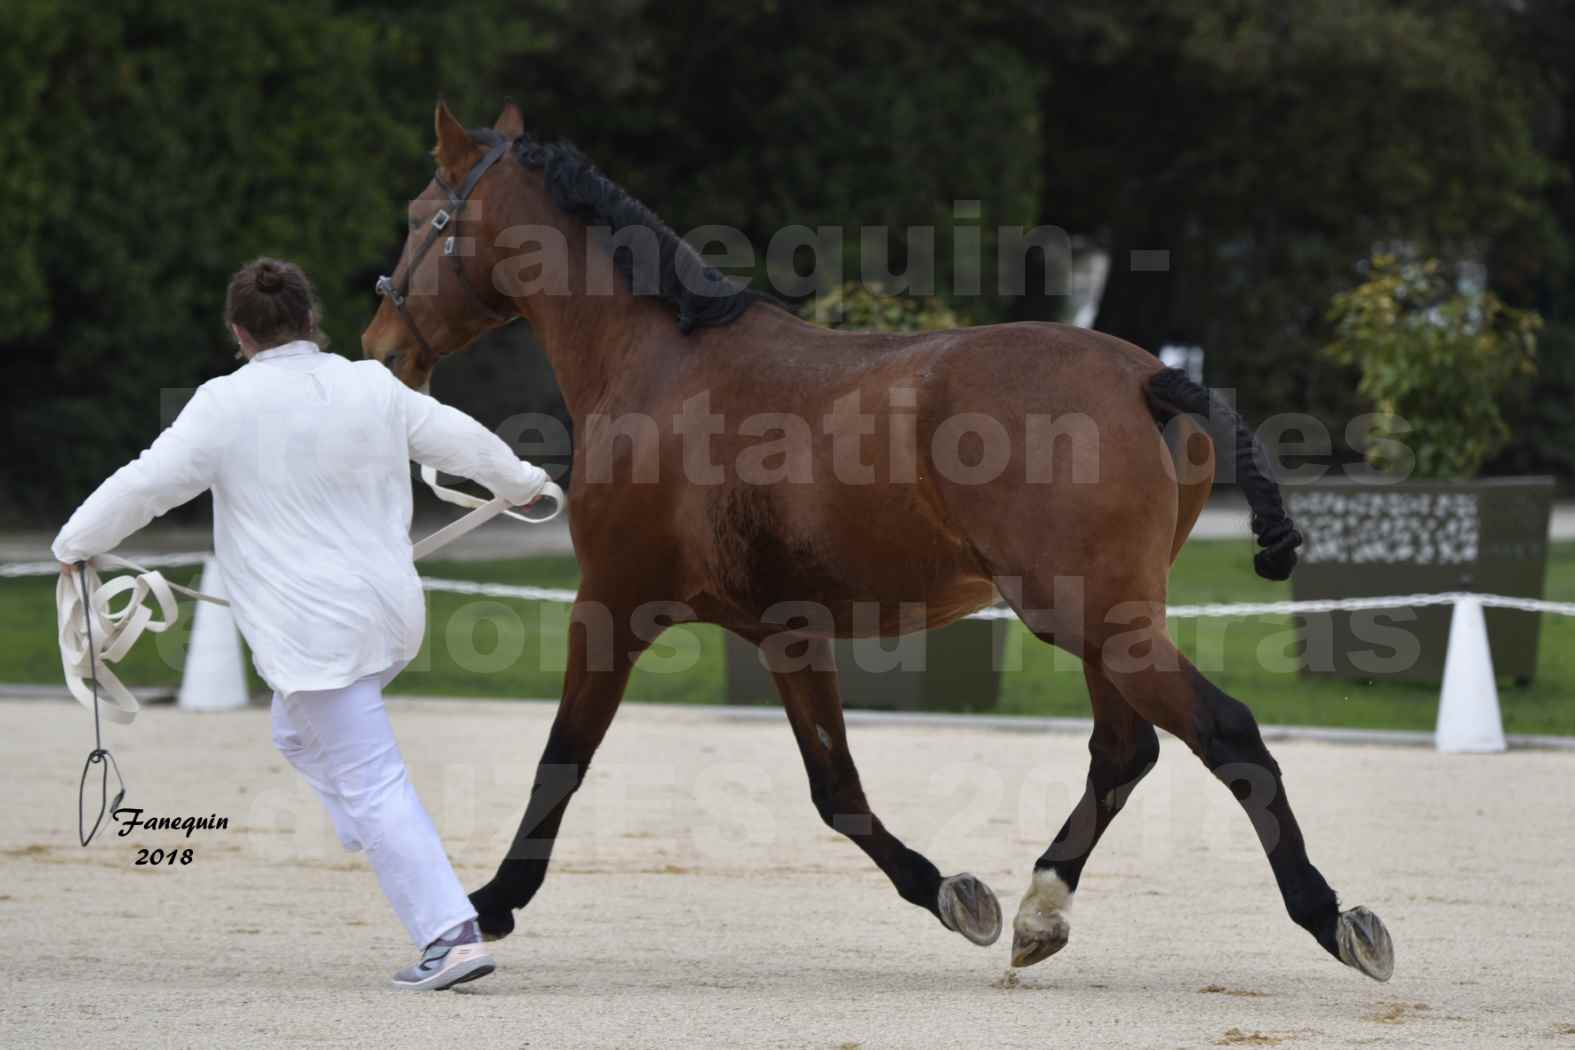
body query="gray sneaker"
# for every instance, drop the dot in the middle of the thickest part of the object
(448, 961)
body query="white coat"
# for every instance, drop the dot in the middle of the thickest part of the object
(307, 454)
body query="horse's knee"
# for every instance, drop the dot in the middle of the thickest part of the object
(563, 765)
(840, 802)
(825, 798)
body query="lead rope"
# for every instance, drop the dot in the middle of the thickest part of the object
(100, 754)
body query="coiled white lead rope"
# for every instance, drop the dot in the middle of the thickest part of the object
(93, 634)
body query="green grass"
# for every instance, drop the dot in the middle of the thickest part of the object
(511, 648)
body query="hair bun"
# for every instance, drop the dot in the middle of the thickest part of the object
(270, 278)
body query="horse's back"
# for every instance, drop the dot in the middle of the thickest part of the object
(912, 466)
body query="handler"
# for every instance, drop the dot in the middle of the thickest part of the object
(307, 454)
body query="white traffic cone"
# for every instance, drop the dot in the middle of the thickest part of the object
(214, 678)
(1468, 715)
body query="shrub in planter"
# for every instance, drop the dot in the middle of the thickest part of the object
(870, 308)
(1435, 363)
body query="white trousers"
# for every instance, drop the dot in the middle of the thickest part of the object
(342, 742)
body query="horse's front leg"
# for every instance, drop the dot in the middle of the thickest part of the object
(602, 651)
(806, 678)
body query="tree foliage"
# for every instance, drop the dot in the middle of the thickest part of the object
(1267, 147)
(167, 143)
(152, 146)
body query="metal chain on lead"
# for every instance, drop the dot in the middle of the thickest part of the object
(100, 755)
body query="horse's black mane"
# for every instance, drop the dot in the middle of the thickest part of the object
(699, 294)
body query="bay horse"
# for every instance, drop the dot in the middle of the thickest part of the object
(798, 540)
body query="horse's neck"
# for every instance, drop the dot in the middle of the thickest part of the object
(592, 327)
(587, 363)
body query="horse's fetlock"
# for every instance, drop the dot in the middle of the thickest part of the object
(1315, 909)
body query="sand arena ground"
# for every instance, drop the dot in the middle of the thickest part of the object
(696, 899)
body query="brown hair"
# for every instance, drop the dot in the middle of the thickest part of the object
(274, 302)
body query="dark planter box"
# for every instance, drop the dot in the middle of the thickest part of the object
(1419, 537)
(954, 668)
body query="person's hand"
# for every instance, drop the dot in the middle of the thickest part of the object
(68, 569)
(542, 481)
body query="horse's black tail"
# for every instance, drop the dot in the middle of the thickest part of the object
(1171, 393)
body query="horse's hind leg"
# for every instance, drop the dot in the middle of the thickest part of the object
(809, 693)
(1122, 749)
(1163, 687)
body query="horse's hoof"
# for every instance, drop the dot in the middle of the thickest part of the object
(968, 907)
(496, 921)
(1365, 945)
(1036, 944)
(1041, 928)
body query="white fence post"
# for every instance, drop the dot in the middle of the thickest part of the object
(214, 678)
(1468, 714)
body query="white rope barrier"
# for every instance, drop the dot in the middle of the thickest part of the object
(1174, 612)
(50, 568)
(1402, 601)
(499, 590)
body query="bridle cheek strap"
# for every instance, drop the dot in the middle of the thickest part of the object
(399, 292)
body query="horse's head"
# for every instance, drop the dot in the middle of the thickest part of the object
(441, 297)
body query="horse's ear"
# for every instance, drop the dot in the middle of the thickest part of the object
(455, 149)
(511, 122)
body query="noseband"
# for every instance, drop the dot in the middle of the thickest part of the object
(457, 199)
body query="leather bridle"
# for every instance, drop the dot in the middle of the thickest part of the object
(440, 223)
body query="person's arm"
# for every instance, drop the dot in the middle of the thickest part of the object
(178, 466)
(451, 441)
